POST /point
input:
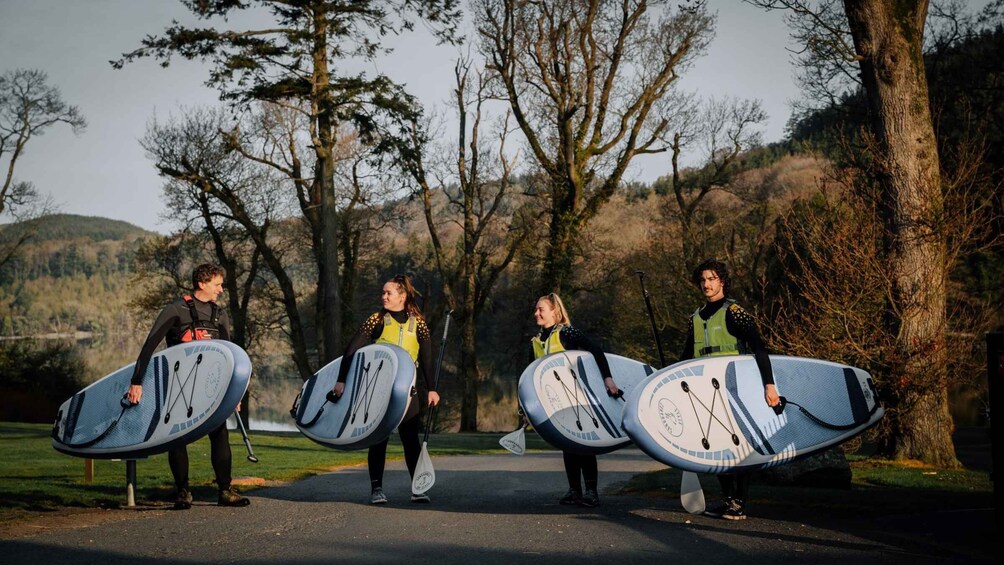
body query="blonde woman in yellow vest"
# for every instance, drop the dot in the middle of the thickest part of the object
(557, 334)
(722, 327)
(401, 323)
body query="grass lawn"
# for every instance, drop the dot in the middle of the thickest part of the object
(36, 477)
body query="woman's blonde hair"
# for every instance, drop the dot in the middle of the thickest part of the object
(559, 307)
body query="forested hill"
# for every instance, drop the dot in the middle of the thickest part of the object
(70, 227)
(71, 274)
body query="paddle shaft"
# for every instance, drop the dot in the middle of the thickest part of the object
(692, 496)
(439, 367)
(244, 434)
(651, 316)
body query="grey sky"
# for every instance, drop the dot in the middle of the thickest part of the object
(104, 171)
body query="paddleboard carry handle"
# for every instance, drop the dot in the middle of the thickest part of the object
(779, 408)
(125, 404)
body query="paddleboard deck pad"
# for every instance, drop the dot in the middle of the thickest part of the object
(189, 390)
(378, 390)
(564, 397)
(709, 415)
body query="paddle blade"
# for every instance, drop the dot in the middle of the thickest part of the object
(425, 474)
(514, 442)
(691, 493)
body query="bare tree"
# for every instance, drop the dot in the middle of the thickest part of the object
(201, 158)
(483, 206)
(588, 83)
(723, 130)
(28, 107)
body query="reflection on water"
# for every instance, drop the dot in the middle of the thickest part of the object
(258, 425)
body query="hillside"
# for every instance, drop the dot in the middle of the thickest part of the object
(71, 226)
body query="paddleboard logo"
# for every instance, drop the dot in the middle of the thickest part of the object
(669, 415)
(213, 378)
(423, 481)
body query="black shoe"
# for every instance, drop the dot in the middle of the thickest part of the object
(589, 499)
(571, 497)
(718, 509)
(378, 497)
(420, 498)
(230, 498)
(735, 510)
(183, 499)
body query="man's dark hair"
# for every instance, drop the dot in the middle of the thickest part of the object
(719, 268)
(205, 273)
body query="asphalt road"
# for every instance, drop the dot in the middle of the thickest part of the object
(492, 509)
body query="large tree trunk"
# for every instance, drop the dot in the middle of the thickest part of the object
(888, 37)
(469, 371)
(324, 169)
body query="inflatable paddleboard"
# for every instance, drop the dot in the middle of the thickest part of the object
(189, 390)
(564, 398)
(377, 393)
(709, 415)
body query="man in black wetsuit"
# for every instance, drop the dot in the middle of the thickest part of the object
(722, 327)
(186, 319)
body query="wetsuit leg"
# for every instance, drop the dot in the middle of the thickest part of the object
(742, 487)
(728, 482)
(590, 473)
(573, 470)
(377, 459)
(221, 456)
(177, 458)
(408, 430)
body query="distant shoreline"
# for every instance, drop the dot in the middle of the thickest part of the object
(69, 335)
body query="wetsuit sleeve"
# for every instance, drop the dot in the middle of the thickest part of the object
(425, 354)
(688, 344)
(741, 324)
(572, 338)
(363, 337)
(167, 319)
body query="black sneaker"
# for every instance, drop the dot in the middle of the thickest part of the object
(378, 497)
(230, 498)
(589, 499)
(571, 497)
(718, 509)
(183, 499)
(420, 497)
(735, 510)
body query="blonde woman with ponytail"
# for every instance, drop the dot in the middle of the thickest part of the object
(557, 334)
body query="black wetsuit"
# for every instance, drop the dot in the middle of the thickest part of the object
(409, 428)
(170, 325)
(740, 324)
(580, 467)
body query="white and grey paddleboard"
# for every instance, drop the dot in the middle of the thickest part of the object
(709, 415)
(188, 391)
(378, 390)
(564, 397)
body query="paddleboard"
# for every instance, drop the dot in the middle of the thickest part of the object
(377, 392)
(188, 391)
(564, 398)
(709, 415)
